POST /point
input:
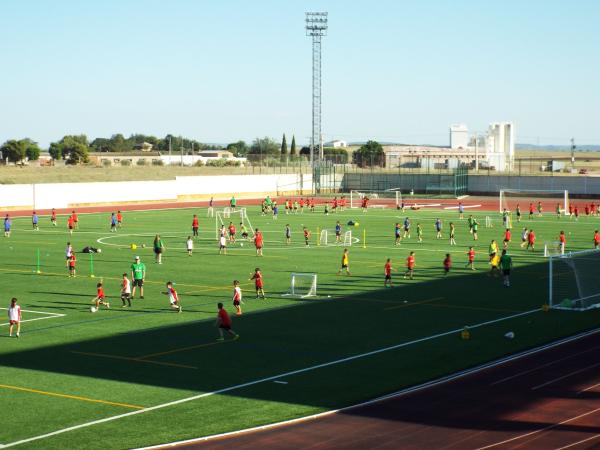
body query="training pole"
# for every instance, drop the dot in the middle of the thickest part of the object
(364, 238)
(37, 254)
(92, 265)
(318, 237)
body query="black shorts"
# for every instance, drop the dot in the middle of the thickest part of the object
(236, 303)
(225, 327)
(139, 282)
(158, 251)
(194, 228)
(125, 296)
(506, 272)
(388, 277)
(446, 269)
(344, 266)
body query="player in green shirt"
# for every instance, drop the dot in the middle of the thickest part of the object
(419, 232)
(232, 203)
(138, 274)
(475, 228)
(470, 222)
(505, 266)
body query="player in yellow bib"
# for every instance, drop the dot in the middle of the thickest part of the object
(345, 263)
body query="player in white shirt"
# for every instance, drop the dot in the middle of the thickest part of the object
(14, 317)
(223, 245)
(68, 252)
(126, 291)
(173, 297)
(189, 245)
(237, 297)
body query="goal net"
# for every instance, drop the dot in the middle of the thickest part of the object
(237, 217)
(303, 285)
(348, 238)
(510, 198)
(553, 248)
(390, 198)
(574, 283)
(323, 237)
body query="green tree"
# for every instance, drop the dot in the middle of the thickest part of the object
(293, 146)
(284, 149)
(32, 150)
(55, 150)
(239, 148)
(370, 154)
(264, 146)
(14, 150)
(74, 149)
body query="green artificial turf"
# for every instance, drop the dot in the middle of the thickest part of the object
(86, 367)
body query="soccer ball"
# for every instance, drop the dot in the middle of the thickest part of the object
(241, 244)
(143, 245)
(93, 309)
(99, 250)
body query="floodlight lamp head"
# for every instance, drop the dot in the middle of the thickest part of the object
(316, 23)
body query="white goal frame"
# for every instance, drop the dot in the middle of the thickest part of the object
(293, 292)
(556, 303)
(374, 195)
(220, 215)
(323, 237)
(532, 192)
(348, 238)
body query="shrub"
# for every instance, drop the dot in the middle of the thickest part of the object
(106, 163)
(158, 162)
(125, 162)
(141, 162)
(199, 163)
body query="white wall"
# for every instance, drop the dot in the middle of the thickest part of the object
(64, 195)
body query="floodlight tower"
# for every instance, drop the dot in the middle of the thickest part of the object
(316, 27)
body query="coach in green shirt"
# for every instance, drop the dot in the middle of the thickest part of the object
(505, 266)
(138, 274)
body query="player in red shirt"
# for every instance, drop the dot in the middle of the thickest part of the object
(531, 241)
(364, 203)
(447, 264)
(72, 262)
(410, 265)
(596, 239)
(586, 208)
(507, 236)
(258, 283)
(224, 323)
(75, 219)
(53, 217)
(531, 210)
(119, 219)
(312, 205)
(301, 205)
(174, 302)
(232, 231)
(99, 299)
(471, 258)
(306, 232)
(562, 239)
(70, 224)
(387, 270)
(334, 204)
(258, 242)
(576, 212)
(14, 317)
(195, 226)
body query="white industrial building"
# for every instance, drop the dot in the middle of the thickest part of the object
(495, 150)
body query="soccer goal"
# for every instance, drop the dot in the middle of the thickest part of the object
(302, 285)
(509, 198)
(489, 223)
(574, 283)
(377, 199)
(323, 237)
(348, 238)
(236, 216)
(553, 248)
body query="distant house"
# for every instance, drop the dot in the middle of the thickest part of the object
(336, 144)
(144, 147)
(216, 154)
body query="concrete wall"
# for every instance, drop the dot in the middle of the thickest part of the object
(65, 195)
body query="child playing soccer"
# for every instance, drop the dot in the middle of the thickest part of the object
(475, 229)
(518, 213)
(237, 297)
(173, 297)
(243, 231)
(531, 209)
(596, 239)
(70, 224)
(505, 265)
(113, 223)
(119, 219)
(53, 217)
(507, 237)
(539, 209)
(258, 283)
(338, 232)
(447, 264)
(531, 240)
(75, 220)
(562, 239)
(68, 253)
(232, 231)
(7, 225)
(306, 236)
(189, 245)
(99, 298)
(438, 228)
(195, 225)
(72, 262)
(397, 234)
(258, 242)
(419, 233)
(406, 228)
(34, 221)
(410, 265)
(224, 323)
(524, 234)
(471, 258)
(126, 291)
(452, 233)
(222, 245)
(558, 210)
(288, 234)
(345, 263)
(14, 317)
(387, 271)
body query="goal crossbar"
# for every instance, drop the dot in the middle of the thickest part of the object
(561, 196)
(573, 281)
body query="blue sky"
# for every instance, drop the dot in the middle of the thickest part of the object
(219, 71)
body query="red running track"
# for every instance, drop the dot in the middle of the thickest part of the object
(546, 400)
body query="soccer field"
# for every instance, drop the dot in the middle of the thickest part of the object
(131, 377)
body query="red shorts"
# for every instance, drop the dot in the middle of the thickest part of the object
(13, 322)
(258, 286)
(258, 247)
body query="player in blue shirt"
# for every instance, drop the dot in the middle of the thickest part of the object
(338, 232)
(397, 234)
(406, 228)
(34, 221)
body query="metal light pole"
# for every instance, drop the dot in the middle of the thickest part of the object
(316, 27)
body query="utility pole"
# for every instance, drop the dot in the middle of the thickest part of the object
(316, 27)
(573, 153)
(476, 152)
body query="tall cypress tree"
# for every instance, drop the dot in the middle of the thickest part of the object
(293, 147)
(284, 149)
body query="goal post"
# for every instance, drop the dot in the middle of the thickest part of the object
(574, 284)
(323, 237)
(348, 238)
(510, 197)
(302, 285)
(389, 198)
(236, 216)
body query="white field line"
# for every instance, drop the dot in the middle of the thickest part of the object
(403, 392)
(580, 442)
(465, 207)
(262, 380)
(541, 430)
(589, 388)
(49, 315)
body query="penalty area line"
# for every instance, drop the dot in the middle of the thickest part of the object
(263, 380)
